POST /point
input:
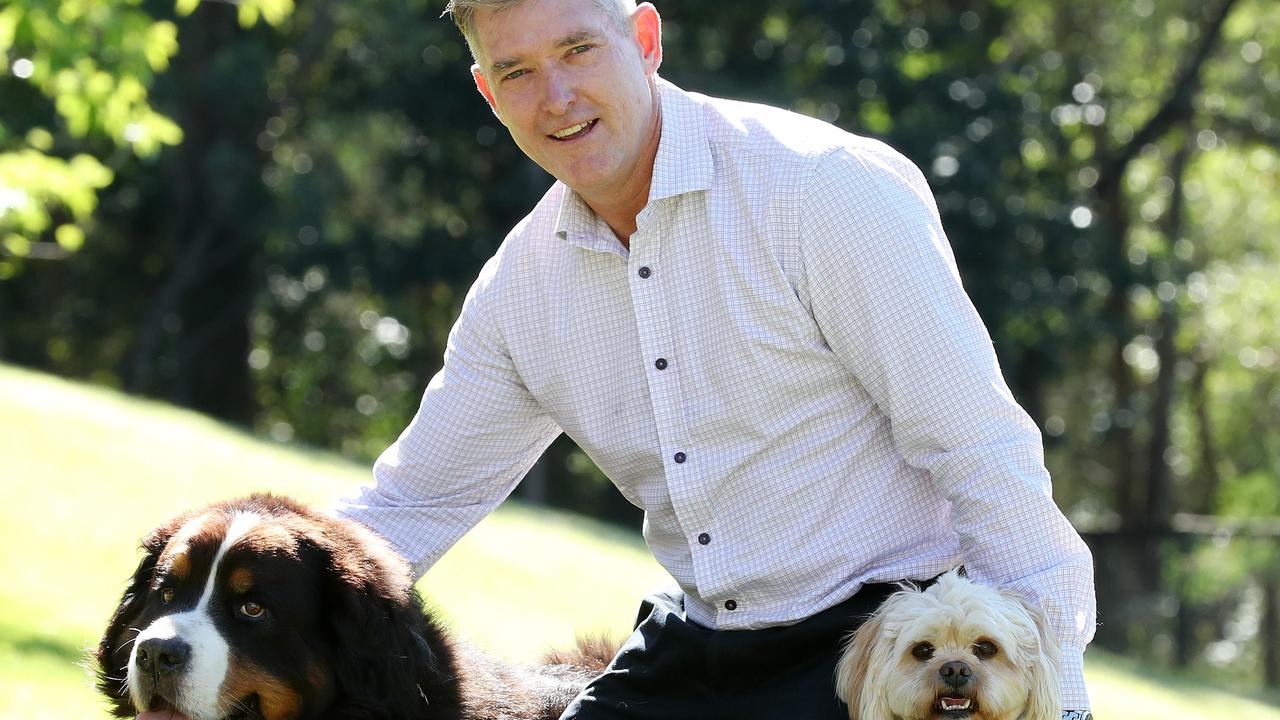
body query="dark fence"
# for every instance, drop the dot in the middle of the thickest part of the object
(1200, 594)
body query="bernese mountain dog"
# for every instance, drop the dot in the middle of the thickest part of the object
(262, 609)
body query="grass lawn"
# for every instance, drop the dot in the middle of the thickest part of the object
(86, 472)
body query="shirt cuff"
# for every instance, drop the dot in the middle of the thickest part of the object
(1077, 715)
(1075, 696)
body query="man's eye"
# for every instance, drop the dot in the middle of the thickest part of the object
(578, 50)
(514, 74)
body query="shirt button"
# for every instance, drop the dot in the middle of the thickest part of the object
(660, 363)
(730, 605)
(704, 539)
(680, 457)
(645, 272)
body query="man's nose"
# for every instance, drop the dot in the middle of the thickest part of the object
(559, 94)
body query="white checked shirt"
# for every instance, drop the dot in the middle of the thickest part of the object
(783, 371)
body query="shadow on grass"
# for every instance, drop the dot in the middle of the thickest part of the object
(48, 647)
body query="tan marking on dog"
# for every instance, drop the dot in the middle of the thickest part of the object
(276, 700)
(241, 580)
(179, 564)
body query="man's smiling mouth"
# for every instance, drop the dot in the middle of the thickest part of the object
(574, 131)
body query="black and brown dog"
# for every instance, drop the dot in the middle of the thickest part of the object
(261, 609)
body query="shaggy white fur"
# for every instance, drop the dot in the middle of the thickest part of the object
(956, 651)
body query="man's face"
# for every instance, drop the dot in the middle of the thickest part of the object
(572, 87)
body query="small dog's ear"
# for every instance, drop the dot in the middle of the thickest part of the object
(1045, 699)
(854, 669)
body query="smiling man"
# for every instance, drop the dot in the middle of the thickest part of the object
(753, 323)
(583, 105)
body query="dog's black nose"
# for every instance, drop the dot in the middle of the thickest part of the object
(955, 673)
(166, 656)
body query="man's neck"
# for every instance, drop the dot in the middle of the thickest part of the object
(621, 217)
(619, 208)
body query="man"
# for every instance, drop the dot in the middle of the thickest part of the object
(753, 323)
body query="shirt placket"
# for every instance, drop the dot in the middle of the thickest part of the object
(653, 287)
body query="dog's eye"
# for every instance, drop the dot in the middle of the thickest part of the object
(922, 651)
(166, 595)
(985, 649)
(251, 610)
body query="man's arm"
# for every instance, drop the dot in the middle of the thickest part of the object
(885, 291)
(476, 433)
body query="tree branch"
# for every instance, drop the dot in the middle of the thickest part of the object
(1244, 132)
(1178, 105)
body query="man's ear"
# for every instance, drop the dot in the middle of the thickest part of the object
(646, 27)
(482, 84)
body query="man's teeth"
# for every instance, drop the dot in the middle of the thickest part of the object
(954, 703)
(571, 131)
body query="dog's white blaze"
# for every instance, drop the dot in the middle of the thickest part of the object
(241, 524)
(210, 656)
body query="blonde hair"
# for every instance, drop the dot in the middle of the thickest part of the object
(464, 11)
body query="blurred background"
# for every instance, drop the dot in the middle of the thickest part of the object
(269, 214)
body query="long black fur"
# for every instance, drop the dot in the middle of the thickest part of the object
(387, 658)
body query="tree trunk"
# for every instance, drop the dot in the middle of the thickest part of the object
(193, 342)
(1160, 502)
(1271, 631)
(1208, 461)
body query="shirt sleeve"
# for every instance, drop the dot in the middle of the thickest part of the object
(885, 290)
(477, 432)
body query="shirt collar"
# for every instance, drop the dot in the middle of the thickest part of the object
(578, 223)
(682, 165)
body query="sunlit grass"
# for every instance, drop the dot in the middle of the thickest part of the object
(1126, 690)
(86, 472)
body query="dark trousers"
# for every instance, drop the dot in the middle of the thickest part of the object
(674, 669)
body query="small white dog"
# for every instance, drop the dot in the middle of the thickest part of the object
(956, 651)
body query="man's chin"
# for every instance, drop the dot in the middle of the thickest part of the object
(590, 182)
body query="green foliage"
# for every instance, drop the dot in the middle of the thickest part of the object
(32, 183)
(77, 98)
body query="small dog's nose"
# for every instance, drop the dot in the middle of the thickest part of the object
(955, 673)
(163, 656)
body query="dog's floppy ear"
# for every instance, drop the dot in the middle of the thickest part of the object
(1045, 694)
(114, 648)
(854, 669)
(389, 660)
